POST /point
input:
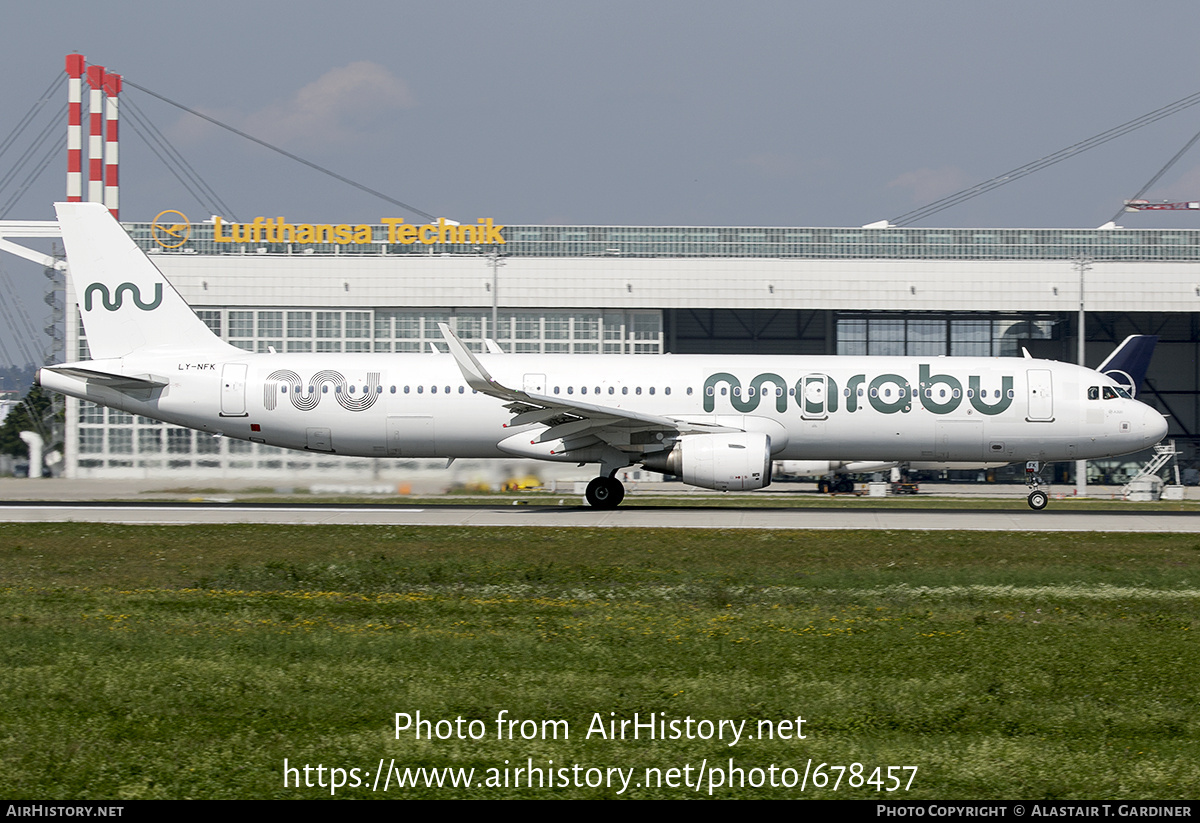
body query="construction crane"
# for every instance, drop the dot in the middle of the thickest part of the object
(1146, 205)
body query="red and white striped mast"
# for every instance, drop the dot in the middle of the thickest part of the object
(112, 88)
(95, 189)
(74, 127)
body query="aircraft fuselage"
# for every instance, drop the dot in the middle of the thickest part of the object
(811, 408)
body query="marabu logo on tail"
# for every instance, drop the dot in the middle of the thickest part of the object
(118, 298)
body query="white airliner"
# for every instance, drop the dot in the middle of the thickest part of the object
(715, 421)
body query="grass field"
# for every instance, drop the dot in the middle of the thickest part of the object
(191, 661)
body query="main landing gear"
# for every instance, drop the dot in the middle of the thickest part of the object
(835, 485)
(1037, 497)
(605, 493)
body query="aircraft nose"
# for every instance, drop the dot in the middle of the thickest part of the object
(1153, 424)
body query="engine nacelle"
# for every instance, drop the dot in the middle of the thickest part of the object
(735, 461)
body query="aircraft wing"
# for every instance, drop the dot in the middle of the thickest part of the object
(565, 417)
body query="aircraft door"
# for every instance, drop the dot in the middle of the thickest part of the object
(535, 384)
(410, 435)
(233, 390)
(958, 440)
(318, 440)
(814, 404)
(1041, 397)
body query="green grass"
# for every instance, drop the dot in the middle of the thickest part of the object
(190, 661)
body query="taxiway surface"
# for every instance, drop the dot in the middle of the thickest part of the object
(627, 516)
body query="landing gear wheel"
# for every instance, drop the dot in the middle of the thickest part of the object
(605, 493)
(844, 486)
(823, 486)
(1038, 500)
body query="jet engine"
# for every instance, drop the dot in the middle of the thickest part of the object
(735, 461)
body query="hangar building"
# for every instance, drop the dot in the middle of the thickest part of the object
(649, 290)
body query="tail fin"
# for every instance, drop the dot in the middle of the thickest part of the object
(126, 303)
(1129, 361)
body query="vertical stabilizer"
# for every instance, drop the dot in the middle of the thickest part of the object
(126, 304)
(1130, 361)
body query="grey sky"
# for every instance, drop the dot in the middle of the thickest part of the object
(661, 113)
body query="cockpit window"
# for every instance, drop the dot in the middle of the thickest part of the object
(1093, 392)
(1110, 393)
(1124, 393)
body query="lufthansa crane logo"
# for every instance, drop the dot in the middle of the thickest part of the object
(1123, 379)
(116, 300)
(169, 232)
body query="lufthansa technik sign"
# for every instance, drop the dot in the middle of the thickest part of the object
(278, 230)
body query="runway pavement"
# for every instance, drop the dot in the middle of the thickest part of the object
(627, 516)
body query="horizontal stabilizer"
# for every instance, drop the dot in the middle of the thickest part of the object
(109, 380)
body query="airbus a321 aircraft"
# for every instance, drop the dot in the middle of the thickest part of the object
(715, 421)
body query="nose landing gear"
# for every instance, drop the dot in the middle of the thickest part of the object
(1038, 498)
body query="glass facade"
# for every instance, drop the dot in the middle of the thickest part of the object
(933, 335)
